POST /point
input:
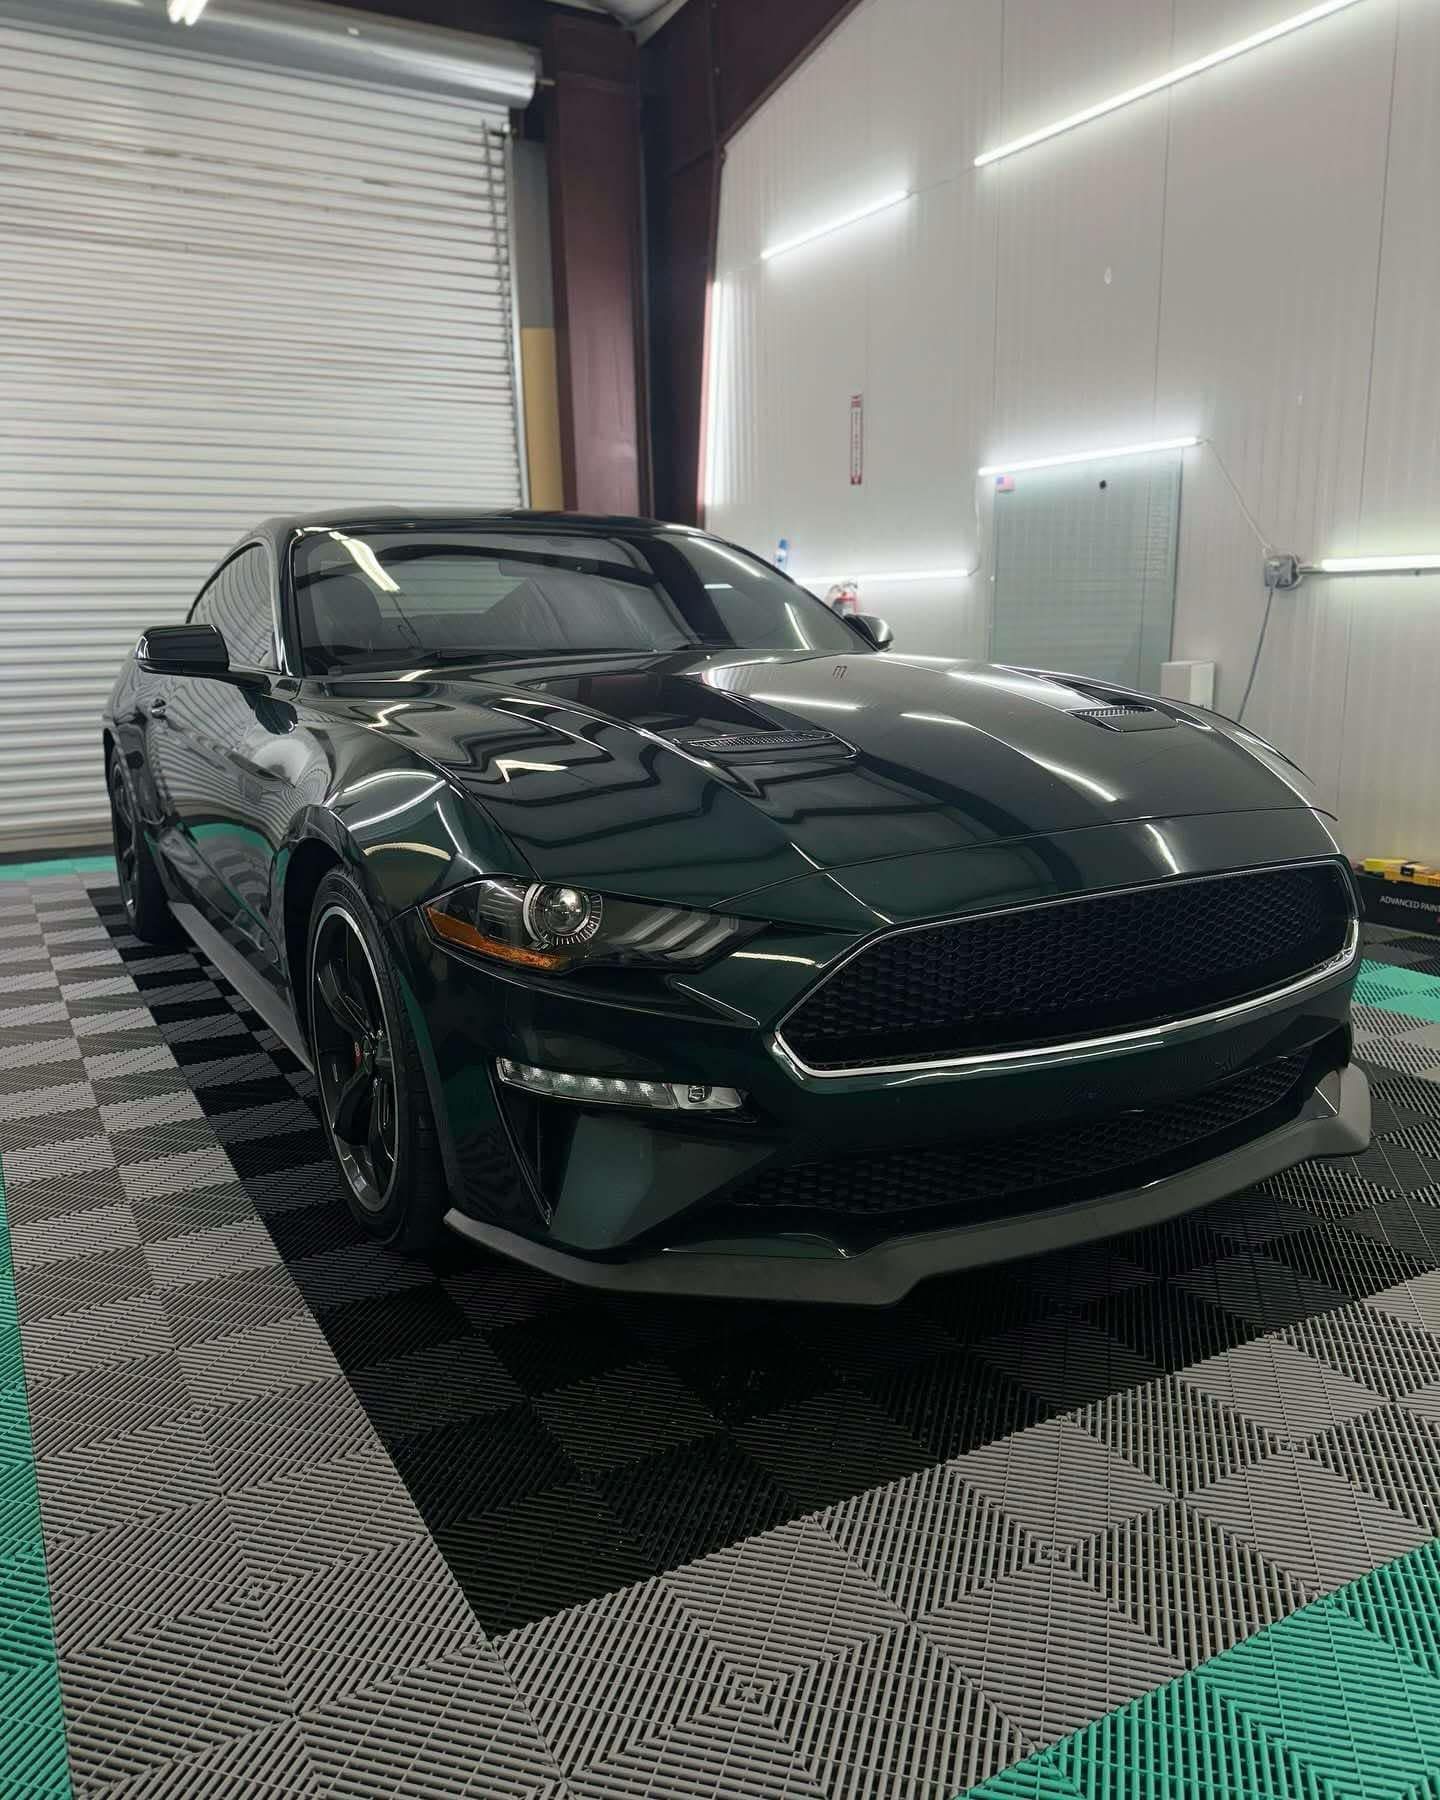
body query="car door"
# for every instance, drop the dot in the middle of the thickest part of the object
(221, 756)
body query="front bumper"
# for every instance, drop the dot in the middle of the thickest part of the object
(1334, 1121)
(617, 1198)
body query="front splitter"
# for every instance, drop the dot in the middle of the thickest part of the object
(1334, 1122)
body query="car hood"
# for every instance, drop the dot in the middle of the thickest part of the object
(704, 778)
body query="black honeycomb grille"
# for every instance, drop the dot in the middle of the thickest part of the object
(1069, 1161)
(1073, 968)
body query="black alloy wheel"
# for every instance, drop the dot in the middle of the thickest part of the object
(141, 888)
(354, 1060)
(122, 826)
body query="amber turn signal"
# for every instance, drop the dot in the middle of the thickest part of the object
(457, 931)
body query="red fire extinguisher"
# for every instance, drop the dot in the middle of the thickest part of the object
(844, 597)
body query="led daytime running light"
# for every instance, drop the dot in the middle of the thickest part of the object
(619, 1090)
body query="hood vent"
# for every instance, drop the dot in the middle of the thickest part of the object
(1129, 716)
(748, 743)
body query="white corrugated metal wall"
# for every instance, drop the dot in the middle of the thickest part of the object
(225, 292)
(1252, 257)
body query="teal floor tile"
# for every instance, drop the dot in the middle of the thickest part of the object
(1400, 1603)
(32, 1727)
(1362, 1715)
(1340, 1701)
(59, 865)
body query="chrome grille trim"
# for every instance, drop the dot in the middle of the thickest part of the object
(1074, 1049)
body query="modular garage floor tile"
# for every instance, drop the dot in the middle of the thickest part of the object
(319, 1520)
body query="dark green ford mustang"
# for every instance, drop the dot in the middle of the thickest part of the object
(646, 921)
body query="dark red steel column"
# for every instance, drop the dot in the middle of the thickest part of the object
(592, 138)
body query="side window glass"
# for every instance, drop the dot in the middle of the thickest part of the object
(238, 603)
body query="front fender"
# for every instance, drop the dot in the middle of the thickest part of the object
(406, 834)
(398, 861)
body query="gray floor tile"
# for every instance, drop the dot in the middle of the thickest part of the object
(1307, 1520)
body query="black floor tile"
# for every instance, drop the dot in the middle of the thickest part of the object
(373, 1331)
(830, 1447)
(689, 1501)
(479, 1465)
(954, 1402)
(301, 1231)
(556, 1349)
(753, 1373)
(1345, 1266)
(552, 1550)
(977, 1303)
(171, 1012)
(1174, 1247)
(1408, 1226)
(211, 1049)
(1168, 1326)
(267, 1156)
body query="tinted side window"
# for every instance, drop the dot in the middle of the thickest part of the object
(238, 603)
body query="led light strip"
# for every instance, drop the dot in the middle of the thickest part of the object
(1080, 456)
(853, 218)
(715, 446)
(1374, 565)
(1183, 73)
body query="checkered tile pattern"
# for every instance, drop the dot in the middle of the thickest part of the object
(321, 1520)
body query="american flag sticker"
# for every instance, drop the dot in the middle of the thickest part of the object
(1004, 484)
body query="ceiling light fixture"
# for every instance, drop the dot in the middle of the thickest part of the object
(854, 218)
(1080, 456)
(1309, 17)
(184, 12)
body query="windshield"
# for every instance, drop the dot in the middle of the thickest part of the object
(410, 597)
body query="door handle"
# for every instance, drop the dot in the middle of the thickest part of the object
(157, 709)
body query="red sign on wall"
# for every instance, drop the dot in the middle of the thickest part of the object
(857, 439)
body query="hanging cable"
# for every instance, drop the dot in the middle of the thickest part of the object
(1265, 547)
(1259, 651)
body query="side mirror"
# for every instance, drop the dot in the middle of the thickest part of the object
(183, 650)
(875, 629)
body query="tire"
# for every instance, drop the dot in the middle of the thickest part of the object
(374, 1103)
(141, 889)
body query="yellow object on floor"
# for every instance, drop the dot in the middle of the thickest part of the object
(1395, 868)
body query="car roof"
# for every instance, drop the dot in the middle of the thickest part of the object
(284, 527)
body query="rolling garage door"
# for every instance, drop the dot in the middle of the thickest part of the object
(225, 291)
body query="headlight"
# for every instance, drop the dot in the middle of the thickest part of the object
(553, 926)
